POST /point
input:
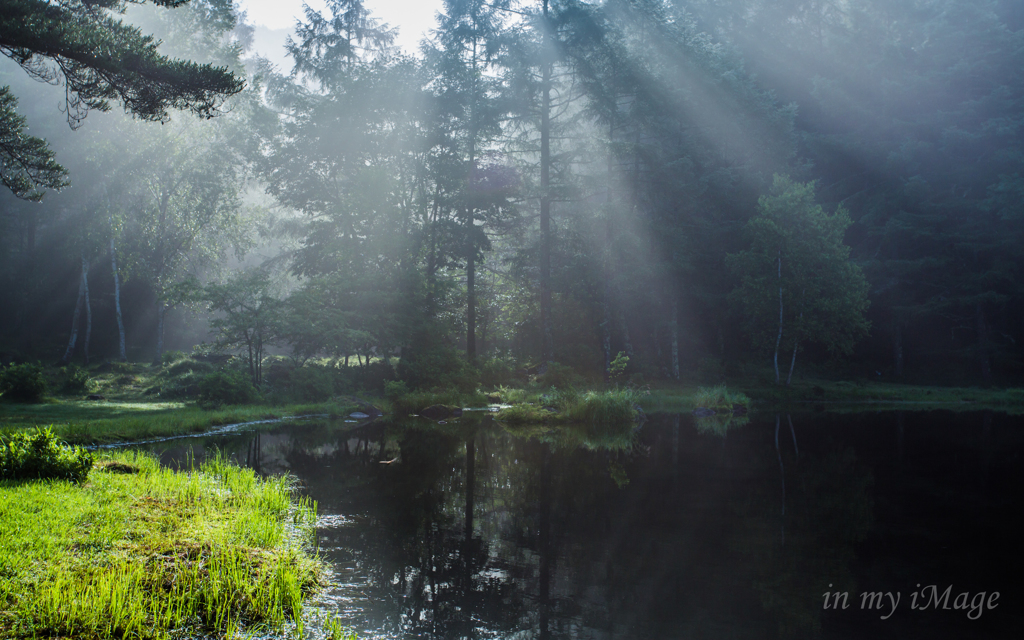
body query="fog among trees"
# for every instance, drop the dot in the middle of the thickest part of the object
(713, 187)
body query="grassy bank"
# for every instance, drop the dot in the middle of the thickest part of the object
(101, 422)
(140, 551)
(595, 408)
(842, 396)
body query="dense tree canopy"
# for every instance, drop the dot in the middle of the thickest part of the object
(550, 181)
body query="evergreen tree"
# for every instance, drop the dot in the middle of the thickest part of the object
(98, 58)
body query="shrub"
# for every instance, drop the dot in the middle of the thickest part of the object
(186, 366)
(311, 383)
(394, 389)
(172, 356)
(496, 372)
(718, 397)
(226, 387)
(23, 382)
(600, 408)
(76, 380)
(40, 454)
(432, 364)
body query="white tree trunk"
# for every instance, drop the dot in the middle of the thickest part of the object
(778, 341)
(160, 309)
(70, 351)
(796, 341)
(88, 311)
(117, 304)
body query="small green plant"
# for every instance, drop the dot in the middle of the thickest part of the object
(617, 367)
(76, 380)
(337, 631)
(226, 387)
(23, 382)
(40, 454)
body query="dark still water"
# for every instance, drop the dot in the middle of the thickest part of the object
(684, 530)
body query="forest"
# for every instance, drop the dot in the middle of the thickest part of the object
(710, 188)
(585, 319)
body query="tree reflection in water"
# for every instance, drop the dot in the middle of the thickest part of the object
(680, 529)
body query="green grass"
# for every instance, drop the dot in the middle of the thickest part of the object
(140, 551)
(599, 411)
(672, 397)
(85, 422)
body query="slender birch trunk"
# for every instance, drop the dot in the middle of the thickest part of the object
(160, 309)
(792, 432)
(70, 351)
(88, 311)
(778, 340)
(122, 355)
(796, 337)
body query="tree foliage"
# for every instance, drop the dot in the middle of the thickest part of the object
(798, 284)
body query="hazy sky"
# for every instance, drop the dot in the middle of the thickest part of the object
(412, 17)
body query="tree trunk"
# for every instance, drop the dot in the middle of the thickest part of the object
(160, 309)
(792, 432)
(627, 344)
(792, 363)
(471, 305)
(983, 346)
(778, 340)
(675, 336)
(88, 312)
(70, 351)
(122, 355)
(796, 342)
(545, 196)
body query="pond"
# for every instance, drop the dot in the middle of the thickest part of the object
(773, 528)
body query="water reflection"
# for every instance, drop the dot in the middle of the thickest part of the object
(469, 530)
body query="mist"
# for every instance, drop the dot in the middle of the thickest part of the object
(548, 182)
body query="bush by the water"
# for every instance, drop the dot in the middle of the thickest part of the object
(226, 387)
(40, 454)
(434, 365)
(75, 380)
(599, 408)
(719, 397)
(312, 383)
(23, 382)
